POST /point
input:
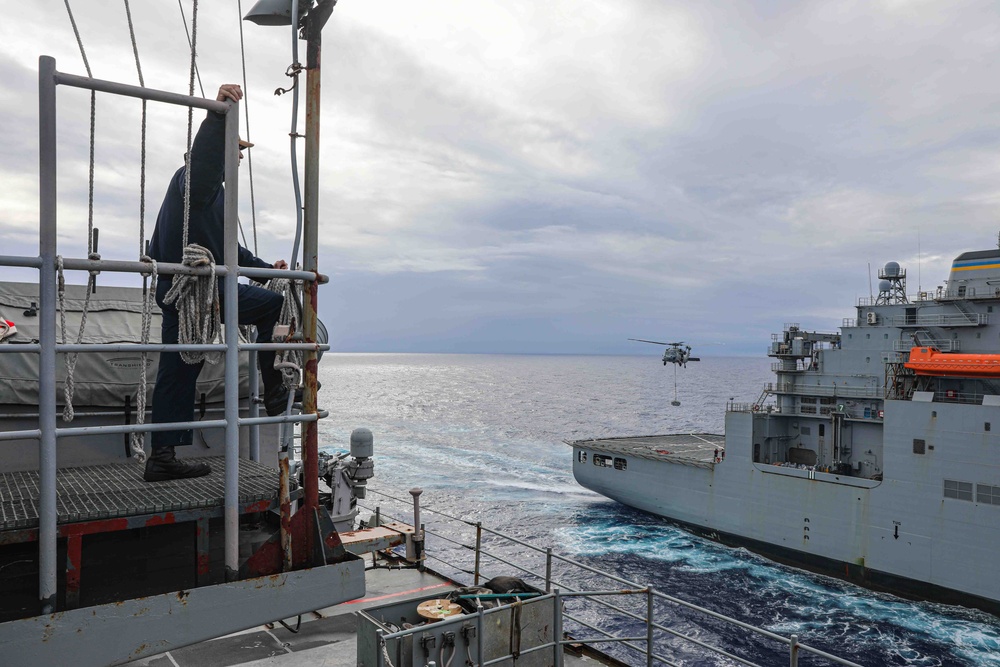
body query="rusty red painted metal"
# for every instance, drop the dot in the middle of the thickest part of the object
(74, 552)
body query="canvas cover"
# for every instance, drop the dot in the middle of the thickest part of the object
(101, 379)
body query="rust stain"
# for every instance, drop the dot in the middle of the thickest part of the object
(163, 520)
(182, 596)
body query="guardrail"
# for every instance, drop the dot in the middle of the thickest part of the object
(461, 553)
(47, 347)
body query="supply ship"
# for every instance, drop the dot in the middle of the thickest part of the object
(873, 456)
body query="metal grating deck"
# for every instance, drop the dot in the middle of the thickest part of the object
(117, 490)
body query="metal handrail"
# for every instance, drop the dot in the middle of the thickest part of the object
(48, 346)
(596, 597)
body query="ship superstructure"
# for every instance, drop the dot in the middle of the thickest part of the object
(874, 454)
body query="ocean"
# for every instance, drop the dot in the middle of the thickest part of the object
(483, 435)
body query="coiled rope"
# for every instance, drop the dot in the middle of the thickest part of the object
(196, 299)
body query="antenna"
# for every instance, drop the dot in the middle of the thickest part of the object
(871, 294)
(919, 286)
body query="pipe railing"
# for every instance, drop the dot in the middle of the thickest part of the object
(563, 591)
(47, 347)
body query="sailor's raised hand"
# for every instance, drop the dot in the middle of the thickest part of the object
(229, 91)
(281, 264)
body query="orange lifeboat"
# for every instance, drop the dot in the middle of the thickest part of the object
(931, 361)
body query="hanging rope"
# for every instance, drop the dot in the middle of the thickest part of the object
(192, 42)
(71, 358)
(246, 116)
(148, 298)
(196, 299)
(149, 290)
(289, 362)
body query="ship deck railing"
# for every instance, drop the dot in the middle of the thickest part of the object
(50, 264)
(468, 553)
(833, 391)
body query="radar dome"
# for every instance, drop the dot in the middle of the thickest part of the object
(891, 269)
(884, 285)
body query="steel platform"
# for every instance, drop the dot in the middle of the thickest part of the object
(701, 450)
(113, 491)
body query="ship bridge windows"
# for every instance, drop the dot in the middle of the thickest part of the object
(988, 495)
(958, 490)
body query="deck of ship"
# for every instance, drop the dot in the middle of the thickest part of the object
(701, 450)
(121, 537)
(326, 638)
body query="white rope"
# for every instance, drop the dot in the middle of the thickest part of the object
(289, 362)
(71, 358)
(385, 653)
(196, 299)
(148, 298)
(136, 440)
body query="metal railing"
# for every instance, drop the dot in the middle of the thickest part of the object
(583, 609)
(868, 391)
(47, 347)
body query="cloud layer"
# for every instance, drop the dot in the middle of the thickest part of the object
(559, 177)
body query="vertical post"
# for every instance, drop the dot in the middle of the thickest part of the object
(548, 569)
(479, 548)
(254, 407)
(380, 648)
(310, 261)
(649, 626)
(793, 651)
(480, 629)
(47, 249)
(418, 528)
(557, 629)
(232, 361)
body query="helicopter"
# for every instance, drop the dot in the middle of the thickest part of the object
(678, 354)
(675, 353)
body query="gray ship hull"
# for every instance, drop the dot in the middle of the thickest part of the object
(852, 463)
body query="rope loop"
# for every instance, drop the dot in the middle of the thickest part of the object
(289, 362)
(196, 299)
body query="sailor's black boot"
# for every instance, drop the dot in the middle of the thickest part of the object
(163, 464)
(276, 400)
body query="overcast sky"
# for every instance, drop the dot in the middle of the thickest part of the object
(520, 176)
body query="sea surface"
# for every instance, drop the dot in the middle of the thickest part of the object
(483, 435)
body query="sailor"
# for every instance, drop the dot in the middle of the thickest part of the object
(174, 394)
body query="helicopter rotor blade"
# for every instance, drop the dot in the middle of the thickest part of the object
(654, 342)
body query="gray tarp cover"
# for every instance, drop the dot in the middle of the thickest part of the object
(101, 379)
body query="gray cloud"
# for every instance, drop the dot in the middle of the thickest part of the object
(562, 176)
